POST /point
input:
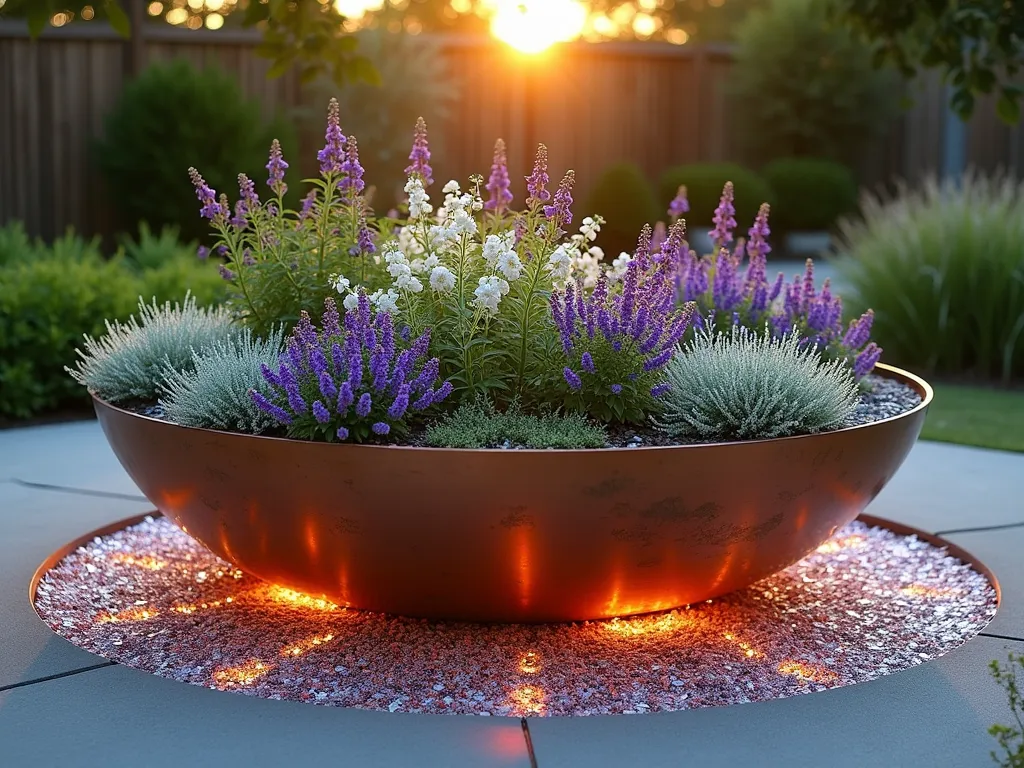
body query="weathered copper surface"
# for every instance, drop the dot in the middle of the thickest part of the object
(515, 536)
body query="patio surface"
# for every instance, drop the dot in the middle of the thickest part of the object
(62, 706)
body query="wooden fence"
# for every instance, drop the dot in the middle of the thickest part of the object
(593, 105)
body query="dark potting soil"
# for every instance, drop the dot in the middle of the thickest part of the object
(885, 398)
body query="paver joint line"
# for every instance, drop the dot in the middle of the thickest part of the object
(1001, 637)
(982, 529)
(529, 742)
(79, 491)
(58, 676)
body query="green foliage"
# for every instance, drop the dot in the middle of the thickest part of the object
(45, 306)
(152, 250)
(416, 80)
(173, 278)
(805, 88)
(920, 34)
(742, 386)
(809, 193)
(943, 268)
(213, 392)
(1010, 738)
(479, 424)
(169, 118)
(704, 182)
(15, 244)
(128, 362)
(625, 198)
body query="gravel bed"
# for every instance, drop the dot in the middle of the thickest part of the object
(867, 603)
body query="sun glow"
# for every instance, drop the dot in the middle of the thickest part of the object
(532, 26)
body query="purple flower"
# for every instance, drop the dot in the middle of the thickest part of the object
(380, 428)
(859, 331)
(499, 185)
(725, 218)
(247, 258)
(352, 182)
(226, 273)
(308, 203)
(659, 236)
(443, 392)
(211, 208)
(537, 181)
(364, 405)
(726, 291)
(866, 360)
(268, 407)
(345, 397)
(659, 361)
(616, 389)
(587, 363)
(776, 288)
(419, 157)
(342, 433)
(757, 245)
(364, 240)
(679, 204)
(333, 153)
(320, 413)
(247, 193)
(276, 166)
(572, 379)
(658, 390)
(400, 404)
(327, 386)
(203, 253)
(559, 212)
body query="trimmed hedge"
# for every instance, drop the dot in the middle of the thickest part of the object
(704, 182)
(51, 295)
(810, 194)
(626, 200)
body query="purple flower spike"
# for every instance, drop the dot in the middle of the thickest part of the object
(572, 379)
(866, 360)
(364, 240)
(587, 363)
(276, 166)
(364, 405)
(659, 236)
(352, 183)
(560, 211)
(859, 331)
(725, 217)
(757, 245)
(320, 413)
(270, 376)
(327, 386)
(400, 404)
(498, 185)
(445, 390)
(345, 398)
(660, 390)
(537, 181)
(679, 204)
(616, 389)
(419, 158)
(659, 361)
(380, 428)
(202, 253)
(342, 433)
(226, 273)
(247, 258)
(247, 193)
(268, 407)
(308, 203)
(211, 208)
(333, 153)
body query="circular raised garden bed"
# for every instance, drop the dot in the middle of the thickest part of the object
(511, 536)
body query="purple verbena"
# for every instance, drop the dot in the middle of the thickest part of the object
(276, 166)
(679, 204)
(537, 181)
(419, 157)
(333, 154)
(498, 185)
(725, 218)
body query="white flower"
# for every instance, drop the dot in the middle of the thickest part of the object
(340, 283)
(478, 204)
(438, 237)
(393, 254)
(509, 265)
(387, 302)
(399, 270)
(451, 188)
(442, 279)
(351, 301)
(597, 252)
(409, 283)
(494, 246)
(418, 205)
(560, 263)
(408, 243)
(591, 226)
(619, 266)
(418, 266)
(463, 223)
(489, 292)
(430, 262)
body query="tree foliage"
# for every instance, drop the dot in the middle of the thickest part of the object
(977, 44)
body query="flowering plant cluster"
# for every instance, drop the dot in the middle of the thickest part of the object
(340, 383)
(504, 305)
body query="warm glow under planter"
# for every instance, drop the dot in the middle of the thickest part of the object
(511, 535)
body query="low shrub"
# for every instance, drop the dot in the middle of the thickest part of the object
(481, 425)
(810, 194)
(50, 295)
(943, 267)
(151, 250)
(128, 361)
(173, 116)
(626, 201)
(742, 386)
(1010, 737)
(704, 182)
(214, 391)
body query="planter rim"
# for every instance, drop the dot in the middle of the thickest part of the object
(923, 388)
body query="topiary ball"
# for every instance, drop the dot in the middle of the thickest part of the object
(810, 194)
(626, 200)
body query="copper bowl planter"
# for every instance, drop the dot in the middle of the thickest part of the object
(511, 536)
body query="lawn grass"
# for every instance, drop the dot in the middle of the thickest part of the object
(978, 416)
